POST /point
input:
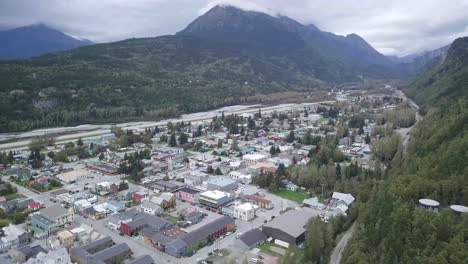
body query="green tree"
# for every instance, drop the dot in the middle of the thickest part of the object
(173, 141)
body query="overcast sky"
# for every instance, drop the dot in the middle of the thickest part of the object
(397, 27)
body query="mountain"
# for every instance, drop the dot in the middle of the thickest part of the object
(446, 80)
(391, 227)
(35, 40)
(226, 56)
(324, 55)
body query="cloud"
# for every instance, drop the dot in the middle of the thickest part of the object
(396, 27)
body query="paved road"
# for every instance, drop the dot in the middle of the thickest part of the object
(340, 247)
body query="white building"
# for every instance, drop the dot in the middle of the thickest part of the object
(241, 177)
(254, 158)
(245, 211)
(151, 208)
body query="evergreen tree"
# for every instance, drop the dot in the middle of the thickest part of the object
(291, 137)
(172, 140)
(183, 139)
(79, 142)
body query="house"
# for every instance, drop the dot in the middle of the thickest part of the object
(252, 238)
(114, 206)
(221, 184)
(22, 254)
(215, 199)
(34, 206)
(257, 200)
(341, 202)
(165, 200)
(241, 177)
(151, 208)
(144, 220)
(41, 180)
(189, 195)
(245, 211)
(17, 204)
(281, 227)
(140, 195)
(228, 210)
(13, 235)
(59, 256)
(195, 217)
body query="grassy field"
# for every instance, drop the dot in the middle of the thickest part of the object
(265, 248)
(14, 196)
(290, 195)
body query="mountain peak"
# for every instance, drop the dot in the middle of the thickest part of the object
(35, 40)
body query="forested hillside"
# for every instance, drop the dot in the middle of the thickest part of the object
(391, 227)
(222, 58)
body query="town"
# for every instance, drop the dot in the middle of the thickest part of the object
(234, 187)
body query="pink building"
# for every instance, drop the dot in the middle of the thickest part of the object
(188, 195)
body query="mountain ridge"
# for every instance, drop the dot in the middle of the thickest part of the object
(35, 40)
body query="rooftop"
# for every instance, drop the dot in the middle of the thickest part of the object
(54, 211)
(214, 194)
(429, 202)
(293, 221)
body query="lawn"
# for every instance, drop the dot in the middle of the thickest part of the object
(14, 196)
(265, 248)
(290, 195)
(223, 252)
(171, 219)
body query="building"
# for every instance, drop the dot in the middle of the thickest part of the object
(43, 226)
(66, 238)
(151, 208)
(245, 211)
(257, 200)
(191, 241)
(59, 256)
(221, 184)
(341, 202)
(215, 199)
(59, 215)
(22, 254)
(140, 195)
(252, 238)
(165, 200)
(141, 220)
(254, 158)
(290, 226)
(13, 235)
(241, 177)
(102, 251)
(189, 195)
(166, 186)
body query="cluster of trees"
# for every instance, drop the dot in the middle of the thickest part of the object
(128, 138)
(400, 117)
(6, 158)
(271, 181)
(7, 189)
(392, 228)
(132, 165)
